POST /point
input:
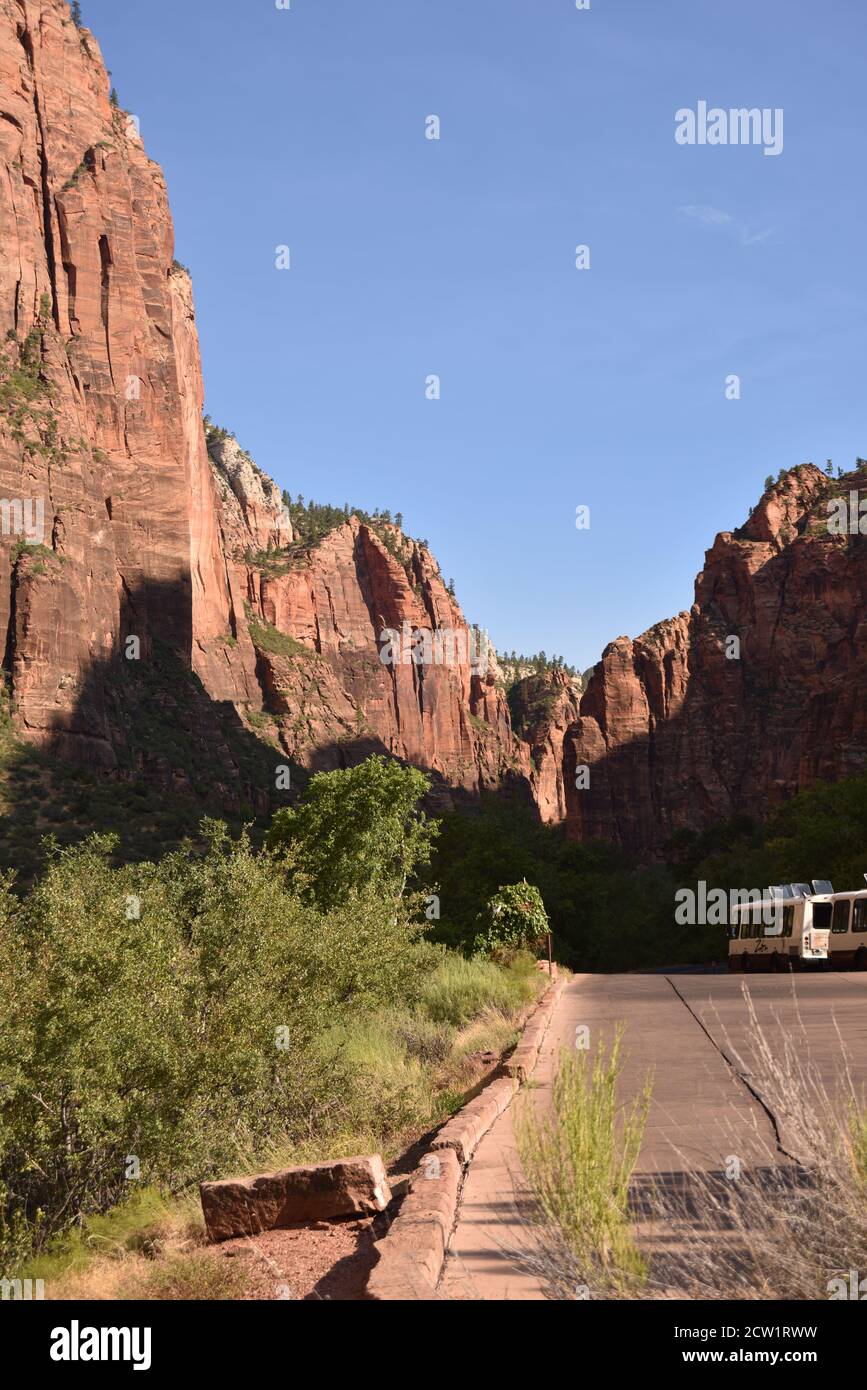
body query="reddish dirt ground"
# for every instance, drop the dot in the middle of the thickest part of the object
(326, 1260)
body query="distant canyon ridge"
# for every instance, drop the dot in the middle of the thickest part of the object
(157, 531)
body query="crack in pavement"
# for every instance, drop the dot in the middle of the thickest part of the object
(739, 1074)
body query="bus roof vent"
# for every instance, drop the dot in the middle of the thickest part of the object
(802, 890)
(822, 885)
(776, 890)
(789, 890)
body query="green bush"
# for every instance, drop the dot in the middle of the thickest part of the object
(357, 830)
(160, 1038)
(514, 919)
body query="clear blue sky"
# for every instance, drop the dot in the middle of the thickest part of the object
(410, 257)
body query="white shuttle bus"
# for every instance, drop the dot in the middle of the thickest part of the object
(787, 930)
(848, 942)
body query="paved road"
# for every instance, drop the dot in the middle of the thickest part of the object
(695, 1033)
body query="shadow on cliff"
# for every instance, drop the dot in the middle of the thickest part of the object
(746, 738)
(752, 732)
(144, 753)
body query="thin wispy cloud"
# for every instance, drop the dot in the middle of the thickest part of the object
(751, 239)
(717, 217)
(710, 216)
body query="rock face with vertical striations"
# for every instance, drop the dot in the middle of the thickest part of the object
(678, 730)
(161, 618)
(334, 628)
(150, 532)
(98, 395)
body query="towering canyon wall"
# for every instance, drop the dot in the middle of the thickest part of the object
(119, 521)
(544, 708)
(96, 425)
(144, 534)
(677, 734)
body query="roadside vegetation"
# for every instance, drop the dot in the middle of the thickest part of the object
(224, 1009)
(578, 1158)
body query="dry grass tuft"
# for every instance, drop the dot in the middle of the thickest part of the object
(578, 1160)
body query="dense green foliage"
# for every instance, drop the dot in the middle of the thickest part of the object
(605, 913)
(514, 919)
(609, 913)
(174, 1013)
(357, 830)
(167, 1017)
(170, 1016)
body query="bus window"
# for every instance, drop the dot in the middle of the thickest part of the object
(821, 916)
(840, 920)
(859, 920)
(788, 920)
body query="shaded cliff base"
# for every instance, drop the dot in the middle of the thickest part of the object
(146, 753)
(42, 795)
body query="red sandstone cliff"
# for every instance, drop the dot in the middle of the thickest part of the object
(676, 735)
(146, 536)
(331, 688)
(97, 414)
(250, 640)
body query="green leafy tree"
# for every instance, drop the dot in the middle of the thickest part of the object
(358, 828)
(176, 1012)
(514, 919)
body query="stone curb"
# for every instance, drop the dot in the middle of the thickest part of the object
(412, 1254)
(526, 1054)
(468, 1127)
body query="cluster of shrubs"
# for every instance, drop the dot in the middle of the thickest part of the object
(158, 1018)
(165, 1021)
(162, 1020)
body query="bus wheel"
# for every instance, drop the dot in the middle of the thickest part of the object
(860, 961)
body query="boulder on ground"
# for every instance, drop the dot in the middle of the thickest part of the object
(314, 1192)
